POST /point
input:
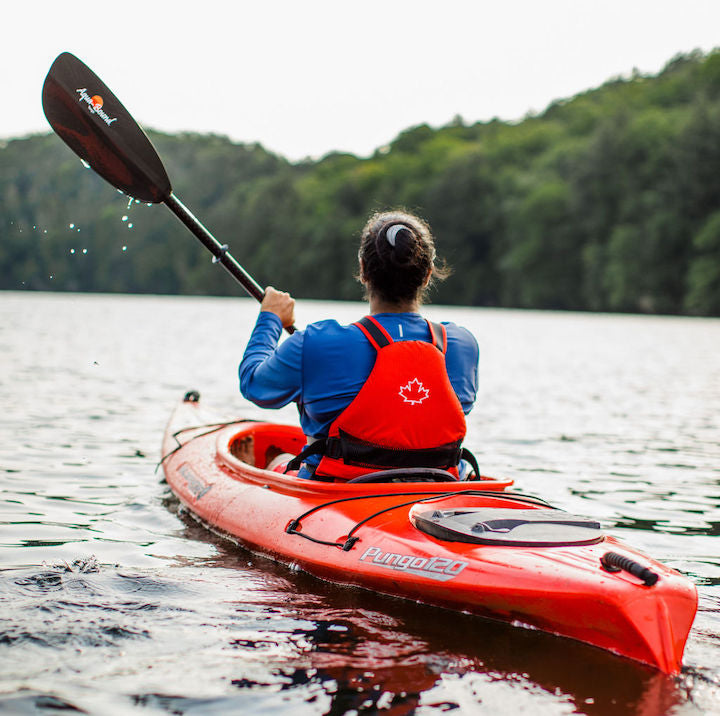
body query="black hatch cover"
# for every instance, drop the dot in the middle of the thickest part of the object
(497, 526)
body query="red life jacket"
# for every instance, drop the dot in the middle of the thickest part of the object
(407, 413)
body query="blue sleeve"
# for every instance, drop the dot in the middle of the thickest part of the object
(271, 376)
(462, 359)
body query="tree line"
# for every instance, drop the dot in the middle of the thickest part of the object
(607, 201)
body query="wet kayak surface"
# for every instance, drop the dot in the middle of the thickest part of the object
(113, 600)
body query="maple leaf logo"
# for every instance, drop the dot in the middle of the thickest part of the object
(414, 392)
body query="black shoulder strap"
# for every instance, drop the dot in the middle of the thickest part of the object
(379, 338)
(438, 333)
(375, 335)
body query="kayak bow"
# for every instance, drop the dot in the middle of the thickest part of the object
(468, 546)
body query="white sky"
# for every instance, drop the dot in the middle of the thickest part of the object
(305, 77)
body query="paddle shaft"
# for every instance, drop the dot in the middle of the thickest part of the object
(218, 250)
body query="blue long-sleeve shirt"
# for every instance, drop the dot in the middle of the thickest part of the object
(323, 367)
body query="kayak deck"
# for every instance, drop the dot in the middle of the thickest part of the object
(468, 546)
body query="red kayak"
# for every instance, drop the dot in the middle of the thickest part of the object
(419, 534)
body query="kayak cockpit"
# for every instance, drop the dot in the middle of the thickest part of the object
(258, 444)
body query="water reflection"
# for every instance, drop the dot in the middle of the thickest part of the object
(287, 640)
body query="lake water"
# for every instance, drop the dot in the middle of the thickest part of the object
(114, 602)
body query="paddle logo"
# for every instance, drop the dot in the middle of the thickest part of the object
(95, 105)
(441, 569)
(414, 392)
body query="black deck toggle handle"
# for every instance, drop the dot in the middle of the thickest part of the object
(292, 528)
(349, 543)
(614, 562)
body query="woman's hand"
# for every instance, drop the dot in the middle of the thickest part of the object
(281, 304)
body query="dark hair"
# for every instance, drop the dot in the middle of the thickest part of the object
(397, 251)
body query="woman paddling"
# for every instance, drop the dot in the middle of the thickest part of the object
(389, 391)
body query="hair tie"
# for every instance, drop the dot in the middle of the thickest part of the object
(392, 232)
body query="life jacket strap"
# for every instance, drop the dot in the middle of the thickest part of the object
(353, 451)
(465, 454)
(379, 337)
(374, 332)
(439, 336)
(316, 448)
(333, 447)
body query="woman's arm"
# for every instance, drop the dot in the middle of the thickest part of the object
(271, 376)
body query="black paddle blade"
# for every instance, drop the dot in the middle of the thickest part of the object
(88, 117)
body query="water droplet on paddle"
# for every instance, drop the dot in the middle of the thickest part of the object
(72, 251)
(124, 248)
(130, 202)
(84, 251)
(125, 218)
(129, 226)
(71, 226)
(85, 164)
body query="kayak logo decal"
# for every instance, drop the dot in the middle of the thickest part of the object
(194, 483)
(441, 569)
(414, 392)
(95, 105)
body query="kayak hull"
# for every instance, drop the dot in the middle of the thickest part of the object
(369, 535)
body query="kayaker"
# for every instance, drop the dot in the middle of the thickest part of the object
(389, 391)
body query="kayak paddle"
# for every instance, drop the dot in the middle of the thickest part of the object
(88, 117)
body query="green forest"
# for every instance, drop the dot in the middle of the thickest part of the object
(607, 201)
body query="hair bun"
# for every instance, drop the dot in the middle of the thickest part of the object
(396, 256)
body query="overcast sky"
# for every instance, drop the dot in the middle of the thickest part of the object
(312, 76)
